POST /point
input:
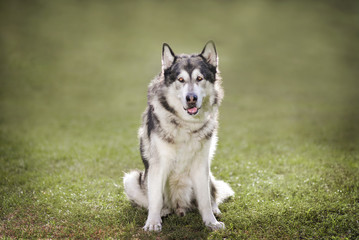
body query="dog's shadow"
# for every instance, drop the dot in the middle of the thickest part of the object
(190, 226)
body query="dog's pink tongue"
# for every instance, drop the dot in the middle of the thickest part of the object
(192, 110)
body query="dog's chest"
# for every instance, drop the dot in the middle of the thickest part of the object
(188, 149)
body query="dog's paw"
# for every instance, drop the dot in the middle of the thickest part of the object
(216, 225)
(153, 227)
(165, 212)
(181, 212)
(216, 211)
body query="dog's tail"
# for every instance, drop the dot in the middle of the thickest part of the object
(222, 190)
(135, 188)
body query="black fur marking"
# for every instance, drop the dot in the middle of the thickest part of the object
(174, 122)
(208, 70)
(170, 75)
(189, 63)
(203, 133)
(140, 179)
(194, 202)
(154, 125)
(215, 101)
(144, 159)
(169, 48)
(208, 135)
(150, 121)
(165, 105)
(201, 128)
(213, 191)
(168, 139)
(161, 132)
(156, 121)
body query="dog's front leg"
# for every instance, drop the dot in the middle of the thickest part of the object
(156, 179)
(201, 184)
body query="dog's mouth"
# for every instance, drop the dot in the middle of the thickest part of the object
(192, 111)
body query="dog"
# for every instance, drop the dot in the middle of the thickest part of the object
(178, 138)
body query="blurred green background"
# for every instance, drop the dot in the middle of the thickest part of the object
(74, 76)
(91, 61)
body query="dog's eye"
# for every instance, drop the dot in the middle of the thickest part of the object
(199, 78)
(181, 79)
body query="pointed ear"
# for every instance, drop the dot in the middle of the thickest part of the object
(167, 56)
(210, 54)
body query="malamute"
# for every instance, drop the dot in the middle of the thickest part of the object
(178, 139)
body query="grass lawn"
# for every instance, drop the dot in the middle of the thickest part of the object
(73, 82)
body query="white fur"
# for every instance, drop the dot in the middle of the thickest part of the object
(133, 190)
(179, 173)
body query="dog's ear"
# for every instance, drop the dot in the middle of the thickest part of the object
(210, 54)
(167, 56)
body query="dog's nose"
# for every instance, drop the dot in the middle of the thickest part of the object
(191, 98)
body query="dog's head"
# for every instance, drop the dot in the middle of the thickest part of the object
(191, 79)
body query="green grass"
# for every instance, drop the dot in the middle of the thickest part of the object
(73, 81)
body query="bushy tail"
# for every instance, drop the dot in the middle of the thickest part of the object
(135, 189)
(223, 190)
